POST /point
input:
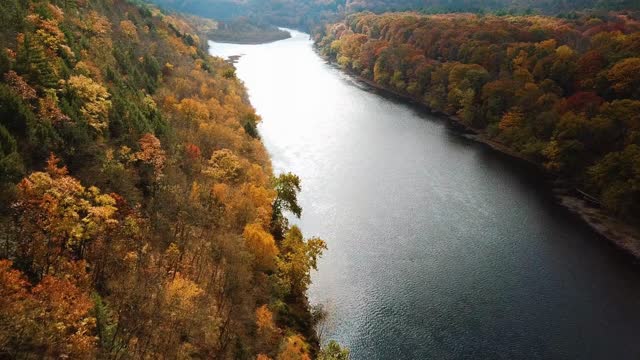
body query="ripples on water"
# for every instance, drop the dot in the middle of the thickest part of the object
(438, 247)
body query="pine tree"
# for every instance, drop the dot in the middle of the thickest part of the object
(32, 61)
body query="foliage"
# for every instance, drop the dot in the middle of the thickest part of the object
(51, 319)
(307, 14)
(94, 99)
(333, 351)
(287, 187)
(148, 233)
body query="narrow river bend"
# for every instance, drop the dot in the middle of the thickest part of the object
(438, 247)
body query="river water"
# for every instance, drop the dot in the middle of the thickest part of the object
(439, 248)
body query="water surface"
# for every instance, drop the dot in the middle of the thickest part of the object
(438, 247)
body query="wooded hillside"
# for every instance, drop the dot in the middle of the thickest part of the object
(307, 14)
(140, 217)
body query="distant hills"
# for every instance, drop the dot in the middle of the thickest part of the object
(293, 13)
(306, 13)
(537, 6)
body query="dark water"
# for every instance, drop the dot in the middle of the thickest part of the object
(438, 247)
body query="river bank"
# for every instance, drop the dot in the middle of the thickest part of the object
(246, 39)
(620, 234)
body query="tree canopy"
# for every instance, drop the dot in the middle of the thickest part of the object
(137, 199)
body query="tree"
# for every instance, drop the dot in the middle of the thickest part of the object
(294, 348)
(11, 167)
(94, 99)
(617, 178)
(48, 109)
(17, 311)
(625, 77)
(151, 153)
(512, 119)
(51, 319)
(497, 96)
(67, 325)
(129, 29)
(298, 257)
(223, 166)
(15, 114)
(262, 245)
(20, 86)
(33, 61)
(333, 351)
(287, 186)
(57, 217)
(268, 332)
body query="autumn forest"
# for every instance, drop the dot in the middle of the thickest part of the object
(141, 217)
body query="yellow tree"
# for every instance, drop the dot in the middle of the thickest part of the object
(268, 332)
(262, 245)
(151, 153)
(298, 257)
(294, 348)
(129, 29)
(95, 100)
(512, 119)
(223, 166)
(57, 217)
(625, 76)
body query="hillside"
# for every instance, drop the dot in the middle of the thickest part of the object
(517, 6)
(140, 217)
(300, 14)
(308, 14)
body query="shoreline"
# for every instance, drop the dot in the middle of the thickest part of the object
(246, 40)
(618, 233)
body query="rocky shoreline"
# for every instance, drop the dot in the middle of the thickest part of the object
(623, 236)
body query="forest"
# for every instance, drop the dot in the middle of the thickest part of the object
(499, 6)
(140, 216)
(309, 14)
(562, 92)
(299, 14)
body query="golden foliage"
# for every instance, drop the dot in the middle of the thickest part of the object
(129, 29)
(181, 295)
(52, 316)
(625, 75)
(511, 119)
(294, 348)
(223, 166)
(95, 24)
(262, 245)
(95, 100)
(151, 153)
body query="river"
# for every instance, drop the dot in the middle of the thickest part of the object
(439, 247)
